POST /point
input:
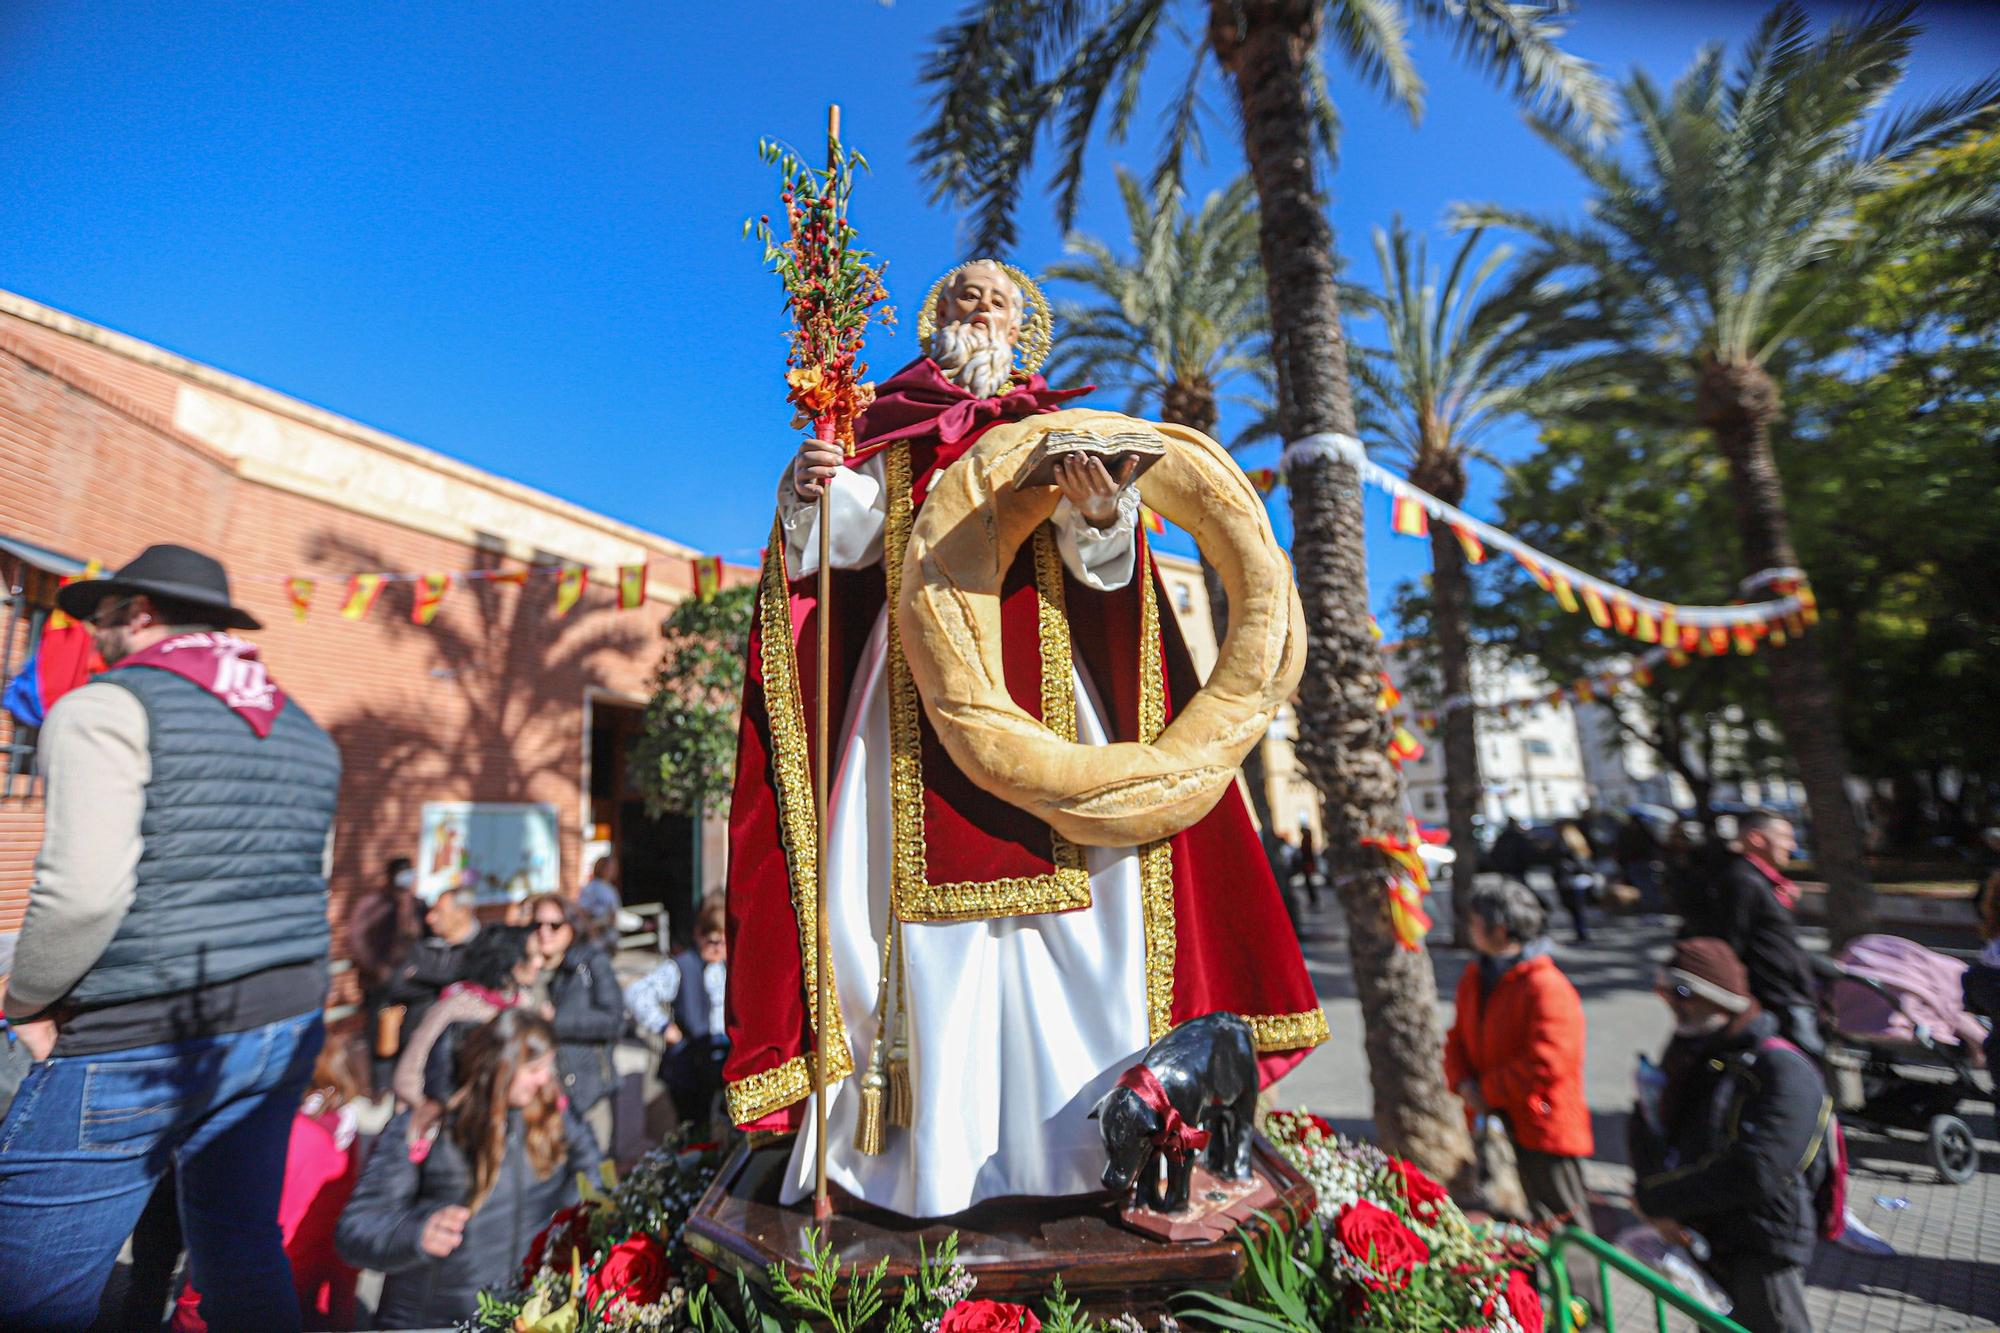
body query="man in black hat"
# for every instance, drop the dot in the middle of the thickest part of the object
(169, 977)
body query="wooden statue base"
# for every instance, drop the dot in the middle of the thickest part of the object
(1013, 1247)
(1216, 1207)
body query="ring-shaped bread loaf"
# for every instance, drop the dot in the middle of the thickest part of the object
(1126, 793)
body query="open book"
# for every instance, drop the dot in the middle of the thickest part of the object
(1112, 449)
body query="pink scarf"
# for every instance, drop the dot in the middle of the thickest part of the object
(1786, 891)
(224, 665)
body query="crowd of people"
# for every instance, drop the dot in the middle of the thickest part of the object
(166, 1077)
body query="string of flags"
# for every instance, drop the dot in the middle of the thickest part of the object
(1409, 881)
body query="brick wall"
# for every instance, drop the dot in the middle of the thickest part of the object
(484, 704)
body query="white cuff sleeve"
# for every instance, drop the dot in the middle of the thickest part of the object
(1100, 558)
(858, 501)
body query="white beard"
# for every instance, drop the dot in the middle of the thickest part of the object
(973, 357)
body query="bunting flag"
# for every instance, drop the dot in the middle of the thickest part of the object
(1670, 626)
(569, 588)
(632, 585)
(1565, 594)
(707, 577)
(1645, 629)
(1676, 658)
(1593, 602)
(1150, 519)
(362, 590)
(1403, 747)
(517, 577)
(1642, 675)
(1777, 634)
(430, 596)
(1468, 542)
(1409, 881)
(1808, 605)
(1375, 629)
(1264, 479)
(1623, 618)
(1746, 642)
(1536, 572)
(1690, 639)
(1407, 518)
(1389, 696)
(301, 593)
(1716, 642)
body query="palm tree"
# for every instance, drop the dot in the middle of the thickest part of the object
(1739, 216)
(1173, 326)
(1011, 72)
(1460, 360)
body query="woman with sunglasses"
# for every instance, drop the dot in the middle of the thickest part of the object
(588, 1008)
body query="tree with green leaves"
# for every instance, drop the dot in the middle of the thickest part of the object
(684, 760)
(1011, 73)
(1176, 326)
(1746, 210)
(1460, 359)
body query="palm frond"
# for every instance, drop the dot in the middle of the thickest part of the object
(1517, 43)
(1374, 36)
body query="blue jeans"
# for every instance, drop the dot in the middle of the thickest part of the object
(88, 1137)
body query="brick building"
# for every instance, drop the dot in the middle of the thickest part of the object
(108, 444)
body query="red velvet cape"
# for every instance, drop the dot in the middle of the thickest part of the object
(1233, 947)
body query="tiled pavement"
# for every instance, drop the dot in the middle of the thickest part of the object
(1945, 1274)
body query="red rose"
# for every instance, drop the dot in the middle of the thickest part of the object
(635, 1270)
(559, 1226)
(1524, 1303)
(1378, 1238)
(989, 1317)
(1421, 1192)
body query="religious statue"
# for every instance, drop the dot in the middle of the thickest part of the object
(1039, 860)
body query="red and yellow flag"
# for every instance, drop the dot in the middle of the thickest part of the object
(1407, 518)
(1565, 595)
(1404, 747)
(1746, 639)
(631, 586)
(1593, 602)
(1585, 689)
(1468, 542)
(1623, 618)
(1690, 639)
(1264, 479)
(517, 577)
(1375, 629)
(1388, 696)
(1808, 605)
(301, 593)
(1150, 520)
(58, 618)
(1537, 573)
(707, 576)
(1408, 882)
(1642, 675)
(570, 584)
(362, 590)
(1717, 641)
(1644, 628)
(1777, 632)
(430, 595)
(1676, 658)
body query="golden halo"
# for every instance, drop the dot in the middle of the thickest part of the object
(1038, 323)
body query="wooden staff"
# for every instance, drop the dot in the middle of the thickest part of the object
(827, 427)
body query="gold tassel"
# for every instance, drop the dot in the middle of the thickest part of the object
(902, 1100)
(868, 1130)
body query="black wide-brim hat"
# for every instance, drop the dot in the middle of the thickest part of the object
(163, 571)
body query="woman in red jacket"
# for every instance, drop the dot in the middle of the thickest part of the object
(1515, 1050)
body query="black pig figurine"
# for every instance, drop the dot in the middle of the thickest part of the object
(1196, 1089)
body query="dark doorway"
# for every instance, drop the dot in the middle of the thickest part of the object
(659, 858)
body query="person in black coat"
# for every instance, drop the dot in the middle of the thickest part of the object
(437, 960)
(589, 1010)
(1748, 905)
(1735, 1147)
(453, 1210)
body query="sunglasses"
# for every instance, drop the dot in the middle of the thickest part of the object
(552, 925)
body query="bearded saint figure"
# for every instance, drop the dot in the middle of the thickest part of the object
(1023, 973)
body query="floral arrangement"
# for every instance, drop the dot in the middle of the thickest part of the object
(1386, 1251)
(831, 288)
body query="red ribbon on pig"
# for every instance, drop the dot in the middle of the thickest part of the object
(1175, 1137)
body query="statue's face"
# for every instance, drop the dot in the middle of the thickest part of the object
(982, 294)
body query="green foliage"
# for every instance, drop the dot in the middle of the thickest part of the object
(1062, 1314)
(814, 1292)
(1285, 1288)
(684, 760)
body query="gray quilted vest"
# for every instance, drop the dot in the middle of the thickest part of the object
(229, 878)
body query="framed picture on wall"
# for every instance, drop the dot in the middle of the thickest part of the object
(505, 850)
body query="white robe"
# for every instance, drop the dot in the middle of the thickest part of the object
(1016, 1026)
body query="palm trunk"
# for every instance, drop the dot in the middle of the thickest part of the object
(1737, 402)
(1342, 736)
(1451, 602)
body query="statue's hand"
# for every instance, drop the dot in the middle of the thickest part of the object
(1090, 489)
(814, 466)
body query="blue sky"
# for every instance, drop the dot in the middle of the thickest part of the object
(512, 232)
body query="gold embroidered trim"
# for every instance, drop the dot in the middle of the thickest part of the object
(798, 827)
(757, 1096)
(1065, 887)
(1156, 859)
(1288, 1032)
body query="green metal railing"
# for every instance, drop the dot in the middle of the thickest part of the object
(1608, 1257)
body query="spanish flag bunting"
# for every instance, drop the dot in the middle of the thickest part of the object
(707, 577)
(1642, 675)
(1795, 622)
(1593, 601)
(1151, 520)
(362, 590)
(1407, 917)
(1407, 517)
(570, 584)
(1676, 658)
(1670, 625)
(631, 586)
(1468, 542)
(517, 577)
(1717, 641)
(1644, 628)
(1777, 630)
(1690, 639)
(1408, 882)
(1623, 618)
(301, 593)
(1808, 605)
(1389, 696)
(1405, 747)
(1537, 573)
(1746, 640)
(430, 595)
(1375, 629)
(1565, 595)
(1265, 479)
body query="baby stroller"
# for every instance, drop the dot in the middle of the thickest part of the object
(1902, 1046)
